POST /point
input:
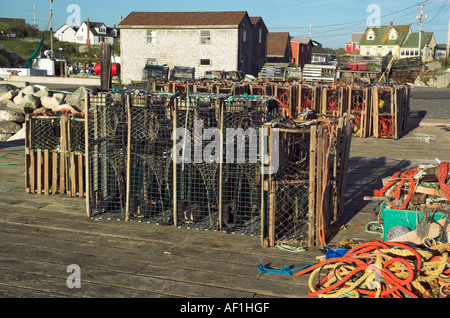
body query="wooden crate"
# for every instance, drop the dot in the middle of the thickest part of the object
(53, 171)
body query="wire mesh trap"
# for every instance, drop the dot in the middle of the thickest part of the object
(243, 118)
(305, 194)
(150, 176)
(107, 155)
(288, 197)
(197, 175)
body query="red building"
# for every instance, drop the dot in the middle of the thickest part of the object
(353, 45)
(301, 51)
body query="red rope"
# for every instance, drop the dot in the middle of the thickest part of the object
(444, 169)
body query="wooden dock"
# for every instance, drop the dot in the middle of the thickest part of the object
(40, 236)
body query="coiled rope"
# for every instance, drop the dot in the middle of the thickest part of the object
(379, 269)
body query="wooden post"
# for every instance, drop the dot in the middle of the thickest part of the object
(28, 173)
(105, 66)
(312, 187)
(86, 153)
(221, 110)
(174, 163)
(128, 184)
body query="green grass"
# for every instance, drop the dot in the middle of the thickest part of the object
(70, 50)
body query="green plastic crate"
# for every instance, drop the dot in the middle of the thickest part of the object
(410, 219)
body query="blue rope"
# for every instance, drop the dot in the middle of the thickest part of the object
(283, 271)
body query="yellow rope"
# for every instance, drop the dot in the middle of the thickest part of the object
(427, 282)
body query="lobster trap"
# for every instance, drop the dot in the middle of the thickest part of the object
(149, 176)
(54, 152)
(243, 118)
(359, 107)
(334, 100)
(107, 132)
(196, 170)
(305, 191)
(390, 107)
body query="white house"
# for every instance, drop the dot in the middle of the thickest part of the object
(66, 33)
(208, 41)
(98, 33)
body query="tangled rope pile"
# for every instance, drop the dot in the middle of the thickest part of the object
(378, 269)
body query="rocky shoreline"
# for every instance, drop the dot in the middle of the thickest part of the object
(16, 102)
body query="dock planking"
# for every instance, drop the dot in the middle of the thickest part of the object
(41, 235)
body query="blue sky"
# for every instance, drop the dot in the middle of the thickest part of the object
(332, 21)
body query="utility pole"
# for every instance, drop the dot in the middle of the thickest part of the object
(310, 30)
(448, 46)
(421, 16)
(51, 26)
(34, 14)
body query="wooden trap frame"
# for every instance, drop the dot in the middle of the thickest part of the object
(390, 109)
(306, 193)
(54, 152)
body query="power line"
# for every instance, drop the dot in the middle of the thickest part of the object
(357, 21)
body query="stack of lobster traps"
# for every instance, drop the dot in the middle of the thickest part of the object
(259, 165)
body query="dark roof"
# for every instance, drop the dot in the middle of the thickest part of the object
(277, 42)
(318, 49)
(178, 19)
(254, 20)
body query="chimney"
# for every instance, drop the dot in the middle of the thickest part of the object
(88, 40)
(391, 24)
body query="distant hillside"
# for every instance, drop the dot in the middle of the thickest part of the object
(27, 39)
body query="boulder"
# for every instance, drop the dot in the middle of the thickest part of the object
(18, 135)
(9, 127)
(5, 137)
(50, 102)
(60, 96)
(18, 98)
(30, 101)
(19, 107)
(30, 89)
(77, 98)
(11, 115)
(9, 95)
(41, 93)
(4, 88)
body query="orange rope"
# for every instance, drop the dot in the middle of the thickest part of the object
(362, 258)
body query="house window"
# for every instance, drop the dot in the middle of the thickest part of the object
(80, 38)
(244, 35)
(205, 62)
(151, 61)
(102, 30)
(391, 50)
(151, 36)
(205, 36)
(367, 51)
(260, 35)
(370, 36)
(392, 36)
